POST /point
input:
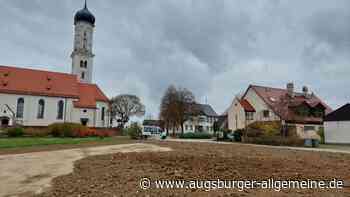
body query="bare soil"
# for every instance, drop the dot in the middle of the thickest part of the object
(23, 174)
(119, 174)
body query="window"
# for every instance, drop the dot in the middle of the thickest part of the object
(20, 108)
(60, 106)
(103, 114)
(41, 109)
(83, 75)
(266, 113)
(186, 127)
(81, 64)
(249, 115)
(85, 64)
(309, 128)
(84, 41)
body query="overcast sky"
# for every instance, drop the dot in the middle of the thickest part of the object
(215, 48)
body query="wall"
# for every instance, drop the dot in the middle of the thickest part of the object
(70, 114)
(81, 53)
(337, 132)
(236, 110)
(236, 116)
(259, 106)
(31, 108)
(207, 125)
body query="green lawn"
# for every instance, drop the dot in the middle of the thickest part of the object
(31, 141)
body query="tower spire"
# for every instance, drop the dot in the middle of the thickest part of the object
(85, 6)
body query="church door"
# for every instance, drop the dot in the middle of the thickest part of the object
(4, 122)
(84, 121)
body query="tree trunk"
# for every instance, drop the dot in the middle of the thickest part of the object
(182, 128)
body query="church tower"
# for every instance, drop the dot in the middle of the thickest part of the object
(82, 56)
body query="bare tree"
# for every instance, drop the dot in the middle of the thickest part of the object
(175, 107)
(168, 108)
(125, 106)
(184, 104)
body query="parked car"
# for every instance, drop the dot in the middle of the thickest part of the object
(151, 131)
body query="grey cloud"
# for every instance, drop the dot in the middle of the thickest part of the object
(215, 48)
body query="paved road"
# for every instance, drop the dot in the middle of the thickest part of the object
(324, 148)
(27, 173)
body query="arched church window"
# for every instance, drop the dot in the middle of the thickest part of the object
(41, 109)
(60, 106)
(83, 75)
(103, 114)
(81, 64)
(85, 64)
(20, 108)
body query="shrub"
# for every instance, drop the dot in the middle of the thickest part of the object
(36, 132)
(321, 134)
(134, 131)
(276, 141)
(266, 128)
(68, 130)
(238, 135)
(195, 136)
(15, 132)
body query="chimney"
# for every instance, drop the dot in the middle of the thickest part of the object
(305, 91)
(290, 89)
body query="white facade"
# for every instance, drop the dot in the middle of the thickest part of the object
(198, 124)
(237, 117)
(8, 106)
(82, 56)
(337, 132)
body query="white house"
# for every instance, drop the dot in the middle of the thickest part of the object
(337, 126)
(38, 98)
(303, 110)
(201, 119)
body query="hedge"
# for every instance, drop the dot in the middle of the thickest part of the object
(195, 136)
(275, 141)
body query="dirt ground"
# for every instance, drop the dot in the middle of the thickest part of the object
(119, 174)
(24, 174)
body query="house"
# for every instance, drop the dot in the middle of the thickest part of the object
(201, 119)
(38, 98)
(337, 126)
(303, 110)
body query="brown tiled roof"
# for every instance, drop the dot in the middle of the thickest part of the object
(278, 100)
(88, 95)
(25, 81)
(246, 105)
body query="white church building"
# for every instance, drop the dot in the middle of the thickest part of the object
(38, 98)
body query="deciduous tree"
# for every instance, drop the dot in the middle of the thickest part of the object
(125, 106)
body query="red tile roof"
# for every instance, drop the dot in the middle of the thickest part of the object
(23, 81)
(36, 82)
(246, 105)
(276, 99)
(88, 95)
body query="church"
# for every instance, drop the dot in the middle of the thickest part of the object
(37, 98)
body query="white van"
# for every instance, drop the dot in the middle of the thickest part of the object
(151, 131)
